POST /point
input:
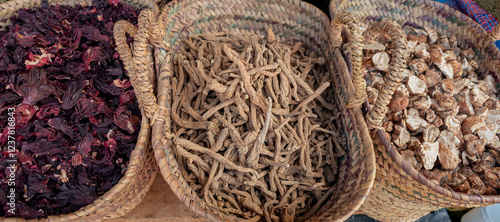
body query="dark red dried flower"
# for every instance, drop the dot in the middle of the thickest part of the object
(76, 120)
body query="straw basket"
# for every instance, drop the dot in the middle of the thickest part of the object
(289, 19)
(401, 193)
(141, 168)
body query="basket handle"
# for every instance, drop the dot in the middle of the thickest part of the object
(135, 64)
(400, 53)
(356, 45)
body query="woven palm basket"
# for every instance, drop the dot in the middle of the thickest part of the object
(141, 168)
(289, 19)
(401, 193)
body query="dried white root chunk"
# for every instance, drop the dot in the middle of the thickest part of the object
(429, 153)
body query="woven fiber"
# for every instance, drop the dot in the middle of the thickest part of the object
(289, 19)
(141, 168)
(401, 193)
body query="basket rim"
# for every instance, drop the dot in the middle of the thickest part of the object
(137, 157)
(392, 150)
(160, 145)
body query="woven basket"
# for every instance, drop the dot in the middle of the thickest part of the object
(289, 19)
(141, 168)
(400, 192)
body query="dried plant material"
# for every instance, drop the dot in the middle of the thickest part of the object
(409, 156)
(475, 147)
(402, 90)
(67, 108)
(468, 53)
(388, 126)
(491, 83)
(416, 85)
(400, 136)
(463, 187)
(419, 66)
(432, 77)
(438, 122)
(431, 34)
(476, 185)
(430, 134)
(493, 120)
(398, 102)
(429, 154)
(449, 139)
(443, 108)
(478, 97)
(472, 124)
(465, 103)
(489, 136)
(448, 159)
(449, 69)
(436, 176)
(381, 61)
(413, 112)
(422, 102)
(415, 123)
(256, 135)
(421, 52)
(448, 86)
(452, 124)
(491, 179)
(487, 161)
(417, 37)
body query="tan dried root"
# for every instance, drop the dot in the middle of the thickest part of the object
(253, 123)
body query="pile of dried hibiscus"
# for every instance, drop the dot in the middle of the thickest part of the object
(75, 116)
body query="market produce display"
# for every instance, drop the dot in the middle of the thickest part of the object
(254, 128)
(67, 111)
(444, 119)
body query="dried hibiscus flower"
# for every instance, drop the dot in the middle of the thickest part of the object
(72, 110)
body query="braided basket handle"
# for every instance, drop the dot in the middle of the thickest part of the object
(400, 53)
(356, 45)
(136, 64)
(495, 33)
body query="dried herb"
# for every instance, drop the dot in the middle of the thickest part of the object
(255, 133)
(444, 117)
(76, 118)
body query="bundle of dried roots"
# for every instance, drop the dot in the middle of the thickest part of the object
(254, 128)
